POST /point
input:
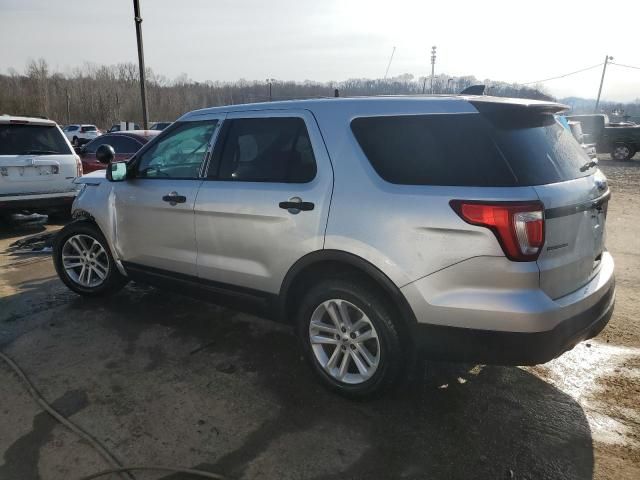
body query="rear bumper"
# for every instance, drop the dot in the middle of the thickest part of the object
(40, 202)
(502, 316)
(514, 348)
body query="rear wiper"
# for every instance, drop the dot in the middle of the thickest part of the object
(588, 165)
(39, 152)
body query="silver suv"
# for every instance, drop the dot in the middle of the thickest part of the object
(462, 228)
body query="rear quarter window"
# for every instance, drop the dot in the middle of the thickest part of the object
(483, 150)
(438, 149)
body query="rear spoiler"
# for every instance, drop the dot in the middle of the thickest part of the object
(497, 105)
(474, 90)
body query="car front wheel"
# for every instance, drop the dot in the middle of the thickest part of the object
(349, 337)
(83, 262)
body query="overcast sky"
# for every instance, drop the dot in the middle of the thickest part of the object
(514, 41)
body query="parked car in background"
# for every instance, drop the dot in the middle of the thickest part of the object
(116, 127)
(159, 125)
(622, 142)
(466, 228)
(575, 128)
(125, 144)
(81, 134)
(37, 167)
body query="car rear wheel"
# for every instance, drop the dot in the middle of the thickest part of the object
(349, 337)
(622, 152)
(83, 261)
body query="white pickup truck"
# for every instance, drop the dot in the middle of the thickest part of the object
(37, 167)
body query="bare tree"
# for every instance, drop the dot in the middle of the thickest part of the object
(105, 94)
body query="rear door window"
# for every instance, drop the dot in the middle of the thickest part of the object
(21, 139)
(505, 149)
(276, 149)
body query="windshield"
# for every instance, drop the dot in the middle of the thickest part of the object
(32, 140)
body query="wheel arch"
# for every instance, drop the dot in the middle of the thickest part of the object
(82, 215)
(326, 263)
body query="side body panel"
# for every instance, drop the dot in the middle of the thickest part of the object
(407, 231)
(244, 237)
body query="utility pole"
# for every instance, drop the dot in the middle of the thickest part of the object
(604, 70)
(433, 65)
(68, 107)
(270, 82)
(143, 93)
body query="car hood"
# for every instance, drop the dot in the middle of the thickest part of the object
(93, 178)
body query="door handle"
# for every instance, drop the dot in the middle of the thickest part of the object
(173, 198)
(297, 204)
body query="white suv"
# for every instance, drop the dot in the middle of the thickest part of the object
(467, 228)
(37, 166)
(81, 134)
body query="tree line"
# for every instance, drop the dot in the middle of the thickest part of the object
(107, 94)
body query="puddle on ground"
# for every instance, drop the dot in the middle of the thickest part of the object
(584, 374)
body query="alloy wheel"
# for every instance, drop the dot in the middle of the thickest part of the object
(85, 261)
(344, 341)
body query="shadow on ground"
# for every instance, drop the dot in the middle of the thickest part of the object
(448, 421)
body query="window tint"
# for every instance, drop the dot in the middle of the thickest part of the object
(267, 150)
(93, 145)
(470, 149)
(71, 128)
(179, 153)
(125, 144)
(32, 139)
(119, 143)
(88, 128)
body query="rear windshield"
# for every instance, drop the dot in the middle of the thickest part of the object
(32, 139)
(501, 149)
(88, 128)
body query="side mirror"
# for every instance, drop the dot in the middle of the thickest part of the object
(117, 172)
(105, 153)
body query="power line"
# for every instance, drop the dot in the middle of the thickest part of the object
(565, 75)
(623, 65)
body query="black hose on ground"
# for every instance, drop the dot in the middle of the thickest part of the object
(116, 466)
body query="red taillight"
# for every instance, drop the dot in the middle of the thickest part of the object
(518, 226)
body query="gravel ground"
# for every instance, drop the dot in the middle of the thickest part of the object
(163, 379)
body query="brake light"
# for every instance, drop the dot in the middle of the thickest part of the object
(78, 167)
(518, 226)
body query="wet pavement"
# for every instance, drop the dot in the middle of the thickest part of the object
(164, 379)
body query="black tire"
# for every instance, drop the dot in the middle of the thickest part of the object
(622, 152)
(114, 280)
(393, 357)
